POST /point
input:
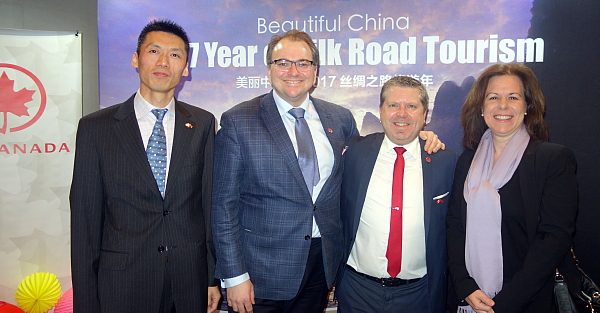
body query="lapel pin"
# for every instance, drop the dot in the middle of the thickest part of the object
(189, 125)
(438, 201)
(428, 159)
(330, 130)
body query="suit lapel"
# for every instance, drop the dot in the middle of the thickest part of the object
(530, 193)
(335, 134)
(182, 138)
(127, 132)
(333, 130)
(427, 172)
(274, 125)
(371, 151)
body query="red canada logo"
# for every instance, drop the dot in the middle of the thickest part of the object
(13, 102)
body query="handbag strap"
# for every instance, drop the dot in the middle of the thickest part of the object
(590, 292)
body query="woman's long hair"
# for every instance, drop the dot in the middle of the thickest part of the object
(473, 123)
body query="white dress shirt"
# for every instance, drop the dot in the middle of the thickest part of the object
(324, 156)
(368, 253)
(146, 120)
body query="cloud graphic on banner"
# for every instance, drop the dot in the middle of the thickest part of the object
(9, 168)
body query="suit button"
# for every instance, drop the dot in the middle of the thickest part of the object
(315, 208)
(161, 249)
(307, 237)
(165, 213)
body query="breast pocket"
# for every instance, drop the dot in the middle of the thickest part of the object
(441, 198)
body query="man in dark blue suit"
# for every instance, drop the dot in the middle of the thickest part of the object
(140, 242)
(276, 238)
(368, 280)
(278, 241)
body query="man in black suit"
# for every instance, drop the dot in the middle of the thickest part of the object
(395, 247)
(140, 230)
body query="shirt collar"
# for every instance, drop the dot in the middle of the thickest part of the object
(143, 107)
(283, 107)
(413, 148)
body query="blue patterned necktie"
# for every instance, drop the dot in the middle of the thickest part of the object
(157, 150)
(307, 155)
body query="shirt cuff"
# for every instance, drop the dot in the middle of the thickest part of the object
(234, 281)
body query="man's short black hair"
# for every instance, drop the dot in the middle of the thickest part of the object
(166, 26)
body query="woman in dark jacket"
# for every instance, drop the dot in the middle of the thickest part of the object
(514, 199)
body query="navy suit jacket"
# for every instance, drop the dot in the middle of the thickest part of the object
(119, 220)
(438, 171)
(262, 212)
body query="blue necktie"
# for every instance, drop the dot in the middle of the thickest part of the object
(157, 151)
(307, 155)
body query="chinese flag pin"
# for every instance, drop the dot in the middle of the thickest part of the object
(330, 130)
(439, 201)
(188, 125)
(427, 159)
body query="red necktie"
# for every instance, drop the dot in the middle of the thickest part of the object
(394, 248)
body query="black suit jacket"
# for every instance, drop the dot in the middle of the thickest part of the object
(438, 170)
(549, 193)
(120, 223)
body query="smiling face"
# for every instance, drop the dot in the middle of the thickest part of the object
(292, 85)
(161, 63)
(402, 114)
(504, 106)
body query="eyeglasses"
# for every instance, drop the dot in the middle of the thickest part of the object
(286, 65)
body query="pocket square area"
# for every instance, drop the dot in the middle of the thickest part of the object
(441, 196)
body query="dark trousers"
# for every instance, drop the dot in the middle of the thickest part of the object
(312, 296)
(357, 294)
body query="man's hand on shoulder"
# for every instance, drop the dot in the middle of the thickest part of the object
(432, 142)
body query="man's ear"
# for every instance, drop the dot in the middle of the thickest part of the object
(186, 71)
(134, 60)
